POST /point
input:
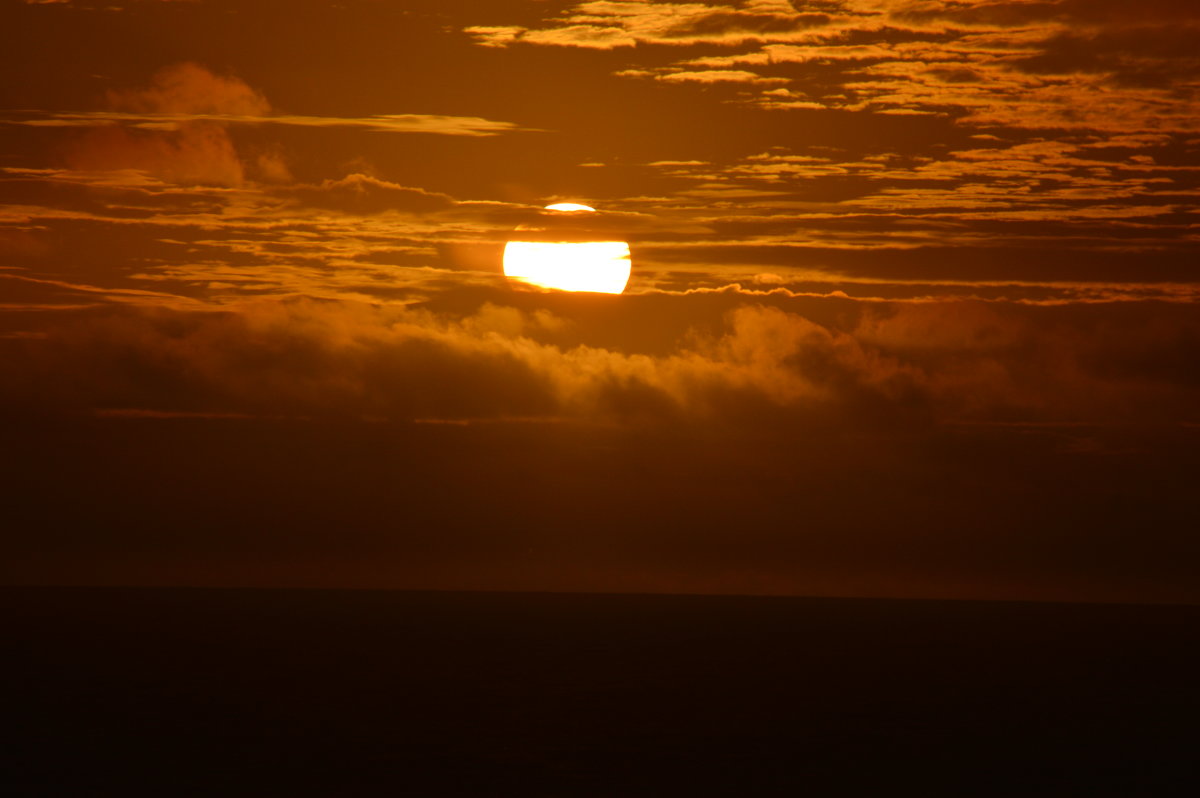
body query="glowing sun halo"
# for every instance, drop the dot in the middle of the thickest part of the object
(598, 266)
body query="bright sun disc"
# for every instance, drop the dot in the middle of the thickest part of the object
(597, 266)
(569, 206)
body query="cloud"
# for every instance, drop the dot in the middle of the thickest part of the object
(195, 153)
(720, 441)
(188, 88)
(191, 150)
(719, 76)
(362, 194)
(1021, 65)
(607, 24)
(436, 124)
(178, 128)
(762, 360)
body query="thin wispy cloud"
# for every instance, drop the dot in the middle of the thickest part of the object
(383, 123)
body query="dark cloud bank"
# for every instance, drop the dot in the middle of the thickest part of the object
(718, 442)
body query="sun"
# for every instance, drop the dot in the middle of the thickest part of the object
(569, 206)
(581, 264)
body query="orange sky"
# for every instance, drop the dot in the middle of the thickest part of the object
(912, 308)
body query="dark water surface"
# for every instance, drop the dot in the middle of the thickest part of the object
(183, 692)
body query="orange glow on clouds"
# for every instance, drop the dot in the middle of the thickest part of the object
(597, 266)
